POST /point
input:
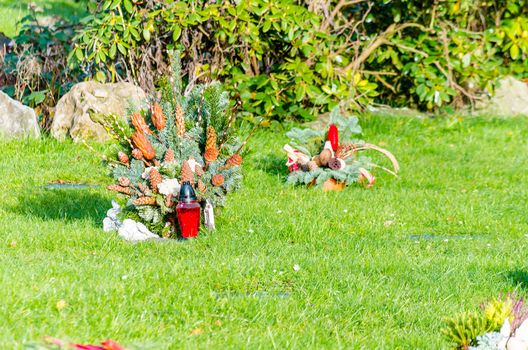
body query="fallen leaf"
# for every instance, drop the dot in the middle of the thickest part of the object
(197, 331)
(61, 304)
(218, 323)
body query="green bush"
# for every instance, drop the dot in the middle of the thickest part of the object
(36, 70)
(304, 58)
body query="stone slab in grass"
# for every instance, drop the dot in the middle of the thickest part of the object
(17, 120)
(60, 186)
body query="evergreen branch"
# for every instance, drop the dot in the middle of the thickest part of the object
(176, 79)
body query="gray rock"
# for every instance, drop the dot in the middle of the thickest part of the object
(17, 120)
(72, 114)
(510, 98)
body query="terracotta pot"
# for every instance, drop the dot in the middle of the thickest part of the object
(333, 185)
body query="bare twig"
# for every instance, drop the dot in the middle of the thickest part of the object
(228, 126)
(255, 129)
(381, 39)
(341, 4)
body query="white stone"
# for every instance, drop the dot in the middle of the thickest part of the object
(111, 222)
(17, 120)
(131, 230)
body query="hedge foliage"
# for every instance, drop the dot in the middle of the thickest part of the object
(306, 57)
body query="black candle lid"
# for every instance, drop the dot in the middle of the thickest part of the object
(187, 194)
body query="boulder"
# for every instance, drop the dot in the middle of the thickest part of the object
(17, 120)
(510, 98)
(73, 111)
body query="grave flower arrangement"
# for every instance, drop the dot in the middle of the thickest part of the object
(332, 158)
(499, 324)
(176, 138)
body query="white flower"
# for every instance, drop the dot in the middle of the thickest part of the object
(146, 173)
(169, 186)
(296, 267)
(192, 163)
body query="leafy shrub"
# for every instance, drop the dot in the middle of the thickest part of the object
(272, 52)
(36, 71)
(304, 58)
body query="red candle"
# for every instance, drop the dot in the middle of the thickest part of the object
(188, 211)
(333, 136)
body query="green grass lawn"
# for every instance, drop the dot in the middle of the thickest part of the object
(379, 268)
(12, 11)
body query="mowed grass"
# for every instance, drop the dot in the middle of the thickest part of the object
(379, 268)
(12, 11)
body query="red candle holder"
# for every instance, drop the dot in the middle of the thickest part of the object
(188, 211)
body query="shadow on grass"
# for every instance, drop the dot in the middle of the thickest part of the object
(272, 164)
(519, 278)
(67, 205)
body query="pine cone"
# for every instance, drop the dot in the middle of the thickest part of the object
(169, 156)
(234, 160)
(218, 180)
(142, 143)
(180, 120)
(139, 123)
(211, 151)
(155, 179)
(143, 188)
(145, 201)
(120, 189)
(169, 203)
(158, 119)
(136, 153)
(187, 173)
(325, 156)
(211, 155)
(198, 170)
(201, 186)
(124, 181)
(123, 158)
